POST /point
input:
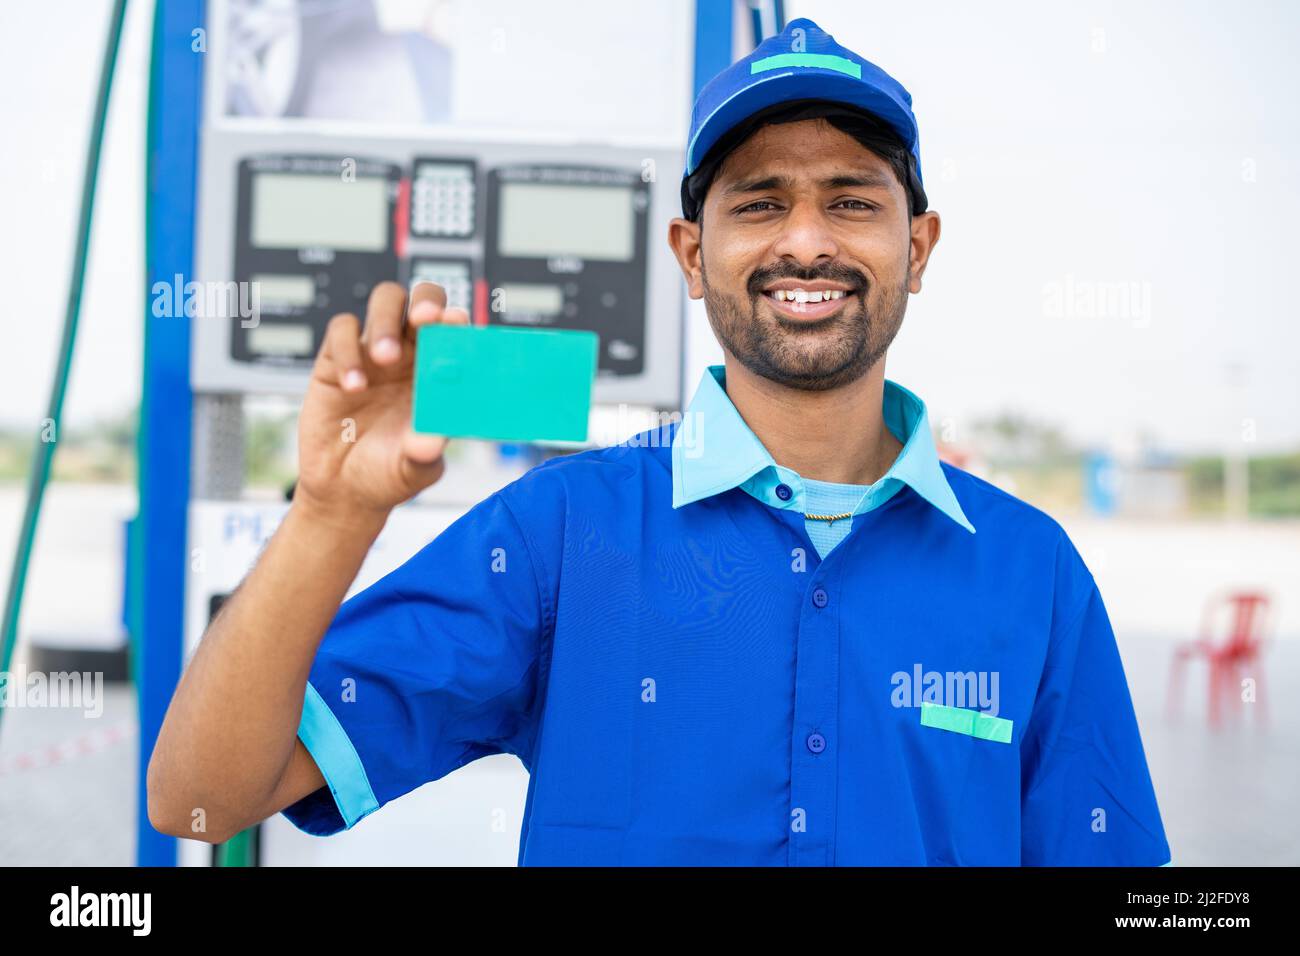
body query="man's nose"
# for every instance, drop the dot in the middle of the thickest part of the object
(806, 236)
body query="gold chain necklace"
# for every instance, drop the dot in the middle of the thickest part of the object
(831, 518)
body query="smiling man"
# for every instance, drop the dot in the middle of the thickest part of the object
(782, 632)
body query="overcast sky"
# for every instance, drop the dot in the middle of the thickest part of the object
(1144, 153)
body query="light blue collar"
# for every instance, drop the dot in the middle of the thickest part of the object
(715, 451)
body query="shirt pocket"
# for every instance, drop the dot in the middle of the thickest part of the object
(935, 762)
(939, 761)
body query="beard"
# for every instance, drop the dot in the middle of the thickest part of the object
(812, 355)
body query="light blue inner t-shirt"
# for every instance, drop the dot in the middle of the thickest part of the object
(830, 498)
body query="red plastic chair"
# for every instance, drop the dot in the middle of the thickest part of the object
(1250, 613)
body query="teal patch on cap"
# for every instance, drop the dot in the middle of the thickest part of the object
(962, 721)
(825, 61)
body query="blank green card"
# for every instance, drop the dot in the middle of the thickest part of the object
(504, 384)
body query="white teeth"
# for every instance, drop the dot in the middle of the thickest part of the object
(803, 295)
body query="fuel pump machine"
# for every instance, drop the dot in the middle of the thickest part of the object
(299, 219)
(522, 233)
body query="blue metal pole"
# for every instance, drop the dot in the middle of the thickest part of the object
(712, 39)
(176, 81)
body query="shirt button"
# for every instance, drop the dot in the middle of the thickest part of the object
(783, 492)
(816, 743)
(820, 597)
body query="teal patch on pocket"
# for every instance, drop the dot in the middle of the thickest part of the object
(970, 722)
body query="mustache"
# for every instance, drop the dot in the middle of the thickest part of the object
(838, 274)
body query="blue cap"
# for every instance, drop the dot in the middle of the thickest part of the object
(801, 62)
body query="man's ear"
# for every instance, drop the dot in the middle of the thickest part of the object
(925, 233)
(684, 240)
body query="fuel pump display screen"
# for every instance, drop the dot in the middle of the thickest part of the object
(295, 212)
(590, 222)
(540, 300)
(285, 291)
(566, 248)
(313, 236)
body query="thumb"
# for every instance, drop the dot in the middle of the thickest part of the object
(422, 458)
(422, 448)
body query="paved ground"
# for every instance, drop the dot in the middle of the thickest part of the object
(1227, 798)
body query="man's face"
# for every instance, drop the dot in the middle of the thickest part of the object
(804, 206)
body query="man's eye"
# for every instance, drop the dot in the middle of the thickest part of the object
(860, 203)
(753, 207)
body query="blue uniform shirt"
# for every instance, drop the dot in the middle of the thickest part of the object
(689, 681)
